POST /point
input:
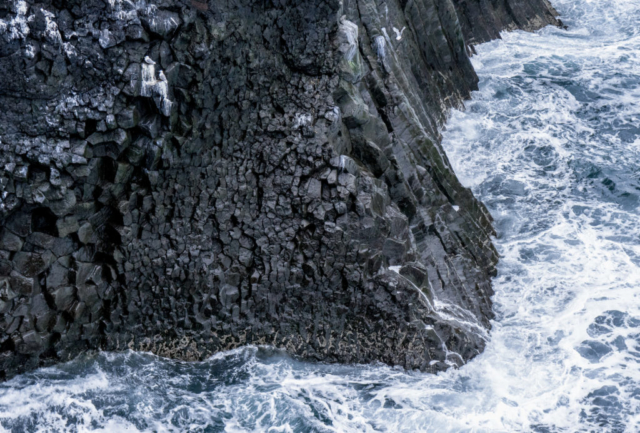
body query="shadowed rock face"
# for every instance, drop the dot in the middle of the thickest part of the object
(189, 177)
(482, 20)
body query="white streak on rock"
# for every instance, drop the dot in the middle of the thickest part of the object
(302, 119)
(51, 33)
(350, 31)
(379, 44)
(158, 89)
(17, 27)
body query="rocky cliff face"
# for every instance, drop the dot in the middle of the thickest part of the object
(185, 177)
(482, 20)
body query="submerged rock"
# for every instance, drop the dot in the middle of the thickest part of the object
(187, 177)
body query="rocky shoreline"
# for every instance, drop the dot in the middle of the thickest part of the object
(187, 177)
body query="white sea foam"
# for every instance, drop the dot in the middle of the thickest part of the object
(551, 143)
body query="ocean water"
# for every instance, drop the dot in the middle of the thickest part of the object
(551, 143)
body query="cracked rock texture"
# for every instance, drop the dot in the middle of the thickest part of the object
(186, 177)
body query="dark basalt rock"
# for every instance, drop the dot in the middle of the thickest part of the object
(482, 20)
(186, 177)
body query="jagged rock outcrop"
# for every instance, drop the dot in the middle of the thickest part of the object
(186, 177)
(482, 20)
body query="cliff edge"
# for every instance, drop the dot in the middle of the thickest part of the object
(186, 177)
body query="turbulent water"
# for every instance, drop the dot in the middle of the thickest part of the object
(551, 143)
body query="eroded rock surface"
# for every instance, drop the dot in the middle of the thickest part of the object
(185, 177)
(482, 20)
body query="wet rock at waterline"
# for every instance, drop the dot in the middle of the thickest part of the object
(189, 177)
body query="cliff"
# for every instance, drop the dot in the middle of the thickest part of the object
(186, 177)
